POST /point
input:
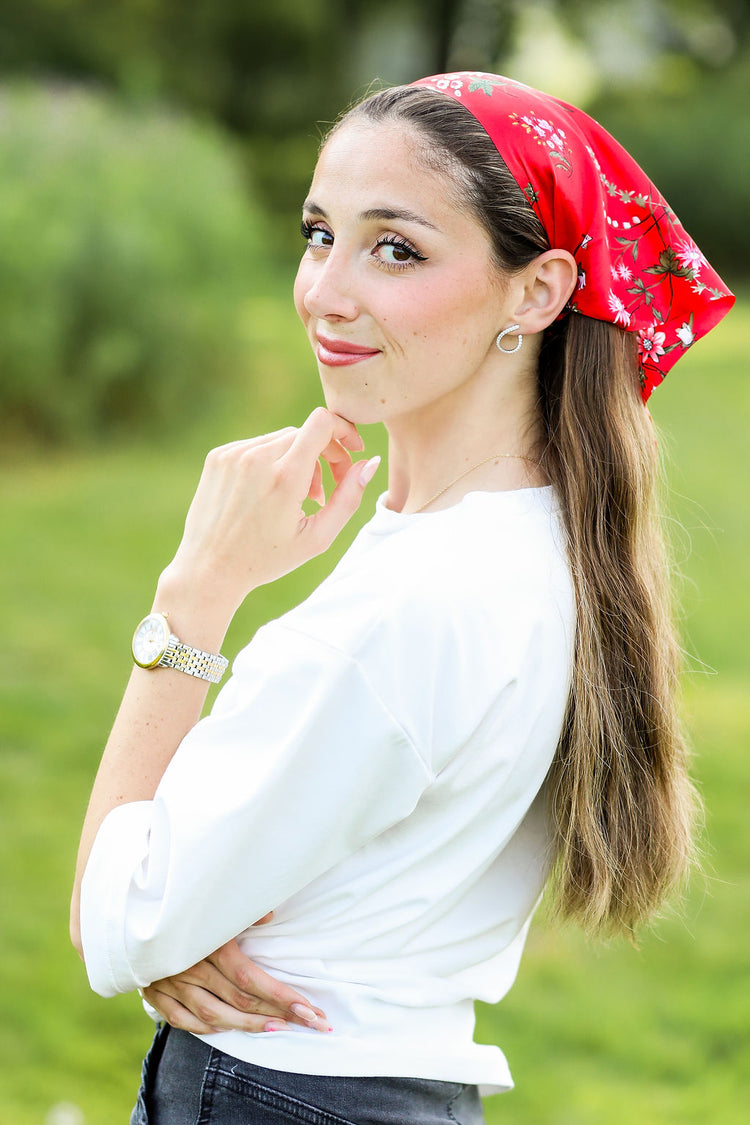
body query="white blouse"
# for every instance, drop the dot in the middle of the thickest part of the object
(372, 774)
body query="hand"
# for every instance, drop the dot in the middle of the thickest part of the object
(228, 990)
(246, 525)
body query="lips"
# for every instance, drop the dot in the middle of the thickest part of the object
(339, 353)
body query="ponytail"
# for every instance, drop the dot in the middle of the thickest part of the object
(622, 805)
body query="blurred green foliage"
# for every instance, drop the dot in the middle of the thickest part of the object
(265, 72)
(129, 230)
(269, 72)
(128, 246)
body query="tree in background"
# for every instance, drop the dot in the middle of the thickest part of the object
(125, 285)
(267, 71)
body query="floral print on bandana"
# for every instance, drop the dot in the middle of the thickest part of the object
(545, 133)
(637, 266)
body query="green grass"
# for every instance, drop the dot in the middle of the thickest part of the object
(594, 1034)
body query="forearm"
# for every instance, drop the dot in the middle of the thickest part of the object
(158, 709)
(246, 526)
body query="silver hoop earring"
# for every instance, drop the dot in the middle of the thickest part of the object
(506, 332)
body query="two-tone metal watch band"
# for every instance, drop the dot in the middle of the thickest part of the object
(205, 665)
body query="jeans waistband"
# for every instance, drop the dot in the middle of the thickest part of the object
(187, 1082)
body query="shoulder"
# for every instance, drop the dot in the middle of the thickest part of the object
(494, 559)
(443, 616)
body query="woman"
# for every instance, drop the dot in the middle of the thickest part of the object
(483, 689)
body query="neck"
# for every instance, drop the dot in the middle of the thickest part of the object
(430, 448)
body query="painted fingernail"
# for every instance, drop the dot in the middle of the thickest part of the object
(274, 1025)
(303, 1012)
(368, 470)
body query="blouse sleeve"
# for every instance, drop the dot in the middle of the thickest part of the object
(299, 764)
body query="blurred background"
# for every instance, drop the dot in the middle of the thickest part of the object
(153, 158)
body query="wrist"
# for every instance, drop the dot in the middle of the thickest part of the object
(196, 613)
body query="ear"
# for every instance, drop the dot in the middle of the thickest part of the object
(548, 283)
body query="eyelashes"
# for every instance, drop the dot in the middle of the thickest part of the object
(401, 246)
(308, 229)
(405, 256)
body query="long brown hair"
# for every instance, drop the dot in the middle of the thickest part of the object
(621, 800)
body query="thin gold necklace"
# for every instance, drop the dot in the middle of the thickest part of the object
(465, 473)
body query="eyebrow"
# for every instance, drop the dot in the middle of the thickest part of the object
(375, 213)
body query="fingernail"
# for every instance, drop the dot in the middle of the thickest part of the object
(368, 470)
(274, 1025)
(303, 1012)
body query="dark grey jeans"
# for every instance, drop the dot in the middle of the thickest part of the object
(186, 1082)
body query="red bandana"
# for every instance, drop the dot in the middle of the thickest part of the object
(637, 267)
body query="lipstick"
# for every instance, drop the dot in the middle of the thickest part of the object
(341, 353)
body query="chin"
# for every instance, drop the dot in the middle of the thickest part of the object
(358, 413)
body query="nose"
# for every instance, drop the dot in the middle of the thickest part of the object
(327, 289)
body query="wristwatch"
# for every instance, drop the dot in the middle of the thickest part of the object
(156, 646)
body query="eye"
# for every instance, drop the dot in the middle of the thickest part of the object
(315, 236)
(397, 253)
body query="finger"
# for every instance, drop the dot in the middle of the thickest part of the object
(206, 977)
(213, 999)
(323, 527)
(275, 435)
(250, 983)
(351, 439)
(175, 1013)
(317, 433)
(316, 491)
(225, 459)
(203, 1013)
(223, 463)
(339, 460)
(288, 432)
(243, 1012)
(199, 994)
(209, 1009)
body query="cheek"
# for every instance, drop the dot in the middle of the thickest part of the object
(419, 311)
(449, 314)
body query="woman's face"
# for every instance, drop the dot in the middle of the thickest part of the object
(396, 288)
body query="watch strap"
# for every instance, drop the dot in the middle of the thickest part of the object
(194, 661)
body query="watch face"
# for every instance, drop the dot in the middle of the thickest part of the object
(150, 640)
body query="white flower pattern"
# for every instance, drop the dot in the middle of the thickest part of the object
(689, 256)
(685, 334)
(621, 314)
